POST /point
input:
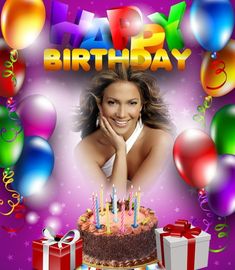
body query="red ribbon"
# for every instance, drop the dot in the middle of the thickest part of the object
(182, 228)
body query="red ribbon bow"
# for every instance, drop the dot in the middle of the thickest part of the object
(182, 228)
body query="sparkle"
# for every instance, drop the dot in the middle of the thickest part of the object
(177, 209)
(29, 259)
(10, 257)
(12, 234)
(185, 112)
(55, 208)
(192, 191)
(216, 262)
(26, 243)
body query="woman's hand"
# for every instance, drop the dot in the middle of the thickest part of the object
(116, 140)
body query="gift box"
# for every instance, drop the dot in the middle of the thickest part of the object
(154, 266)
(182, 246)
(57, 252)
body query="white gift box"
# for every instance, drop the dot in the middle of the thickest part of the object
(176, 250)
(152, 267)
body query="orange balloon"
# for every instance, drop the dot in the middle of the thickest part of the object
(22, 22)
(217, 75)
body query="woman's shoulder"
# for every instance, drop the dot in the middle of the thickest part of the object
(87, 143)
(92, 147)
(156, 137)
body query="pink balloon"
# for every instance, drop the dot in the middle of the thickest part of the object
(37, 115)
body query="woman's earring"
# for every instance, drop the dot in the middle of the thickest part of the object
(97, 120)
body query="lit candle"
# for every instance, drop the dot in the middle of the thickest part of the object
(107, 217)
(93, 207)
(138, 203)
(102, 200)
(130, 201)
(115, 207)
(97, 213)
(122, 229)
(135, 225)
(113, 192)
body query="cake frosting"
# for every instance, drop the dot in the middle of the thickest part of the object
(131, 247)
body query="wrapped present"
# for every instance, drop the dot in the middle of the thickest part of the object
(182, 247)
(57, 252)
(154, 266)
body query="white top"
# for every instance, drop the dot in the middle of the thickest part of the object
(108, 166)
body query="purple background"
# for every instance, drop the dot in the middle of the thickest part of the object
(66, 194)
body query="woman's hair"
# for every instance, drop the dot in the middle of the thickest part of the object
(154, 112)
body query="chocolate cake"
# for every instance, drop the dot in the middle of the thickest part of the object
(119, 248)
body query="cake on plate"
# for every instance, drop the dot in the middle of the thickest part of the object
(130, 241)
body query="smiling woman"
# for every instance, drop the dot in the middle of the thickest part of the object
(125, 129)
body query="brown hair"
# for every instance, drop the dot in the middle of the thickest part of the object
(154, 112)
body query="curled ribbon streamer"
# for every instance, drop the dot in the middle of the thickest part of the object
(19, 209)
(11, 104)
(218, 228)
(9, 71)
(200, 116)
(14, 130)
(214, 65)
(203, 200)
(7, 179)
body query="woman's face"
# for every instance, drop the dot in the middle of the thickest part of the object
(121, 106)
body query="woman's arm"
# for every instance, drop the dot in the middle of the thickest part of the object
(154, 162)
(119, 172)
(88, 166)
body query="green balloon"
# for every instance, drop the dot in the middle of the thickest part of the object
(223, 130)
(11, 138)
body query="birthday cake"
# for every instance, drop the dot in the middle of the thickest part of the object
(124, 242)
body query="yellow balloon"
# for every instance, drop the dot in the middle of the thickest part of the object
(22, 22)
(217, 75)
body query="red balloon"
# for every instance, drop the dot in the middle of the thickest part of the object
(195, 157)
(10, 70)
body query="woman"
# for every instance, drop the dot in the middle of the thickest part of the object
(125, 130)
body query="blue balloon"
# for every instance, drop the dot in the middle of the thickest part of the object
(34, 166)
(212, 23)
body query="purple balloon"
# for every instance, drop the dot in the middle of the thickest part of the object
(221, 191)
(37, 115)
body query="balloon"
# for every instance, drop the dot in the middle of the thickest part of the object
(38, 116)
(195, 157)
(22, 21)
(217, 75)
(7, 87)
(34, 166)
(223, 130)
(212, 23)
(221, 191)
(11, 138)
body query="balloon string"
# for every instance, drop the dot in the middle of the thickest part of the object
(9, 65)
(10, 135)
(200, 116)
(203, 201)
(11, 104)
(8, 179)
